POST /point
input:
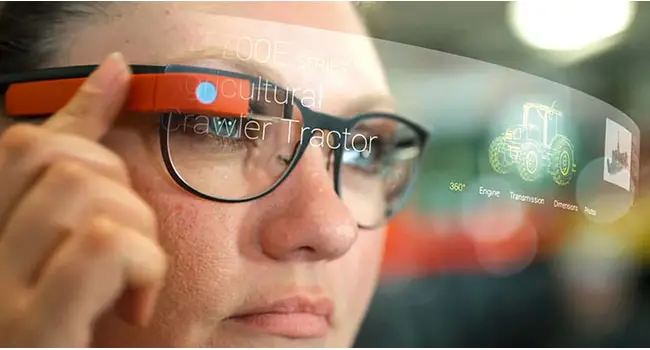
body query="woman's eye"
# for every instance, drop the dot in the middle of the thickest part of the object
(225, 127)
(236, 129)
(366, 161)
(209, 134)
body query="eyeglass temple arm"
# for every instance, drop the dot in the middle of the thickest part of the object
(155, 93)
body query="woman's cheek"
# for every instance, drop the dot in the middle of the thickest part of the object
(199, 236)
(367, 251)
(355, 277)
(361, 265)
(201, 240)
(204, 280)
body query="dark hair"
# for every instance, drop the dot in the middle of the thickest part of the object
(30, 31)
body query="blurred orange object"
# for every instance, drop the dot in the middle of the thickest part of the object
(419, 244)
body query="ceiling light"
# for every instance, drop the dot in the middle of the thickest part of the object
(566, 25)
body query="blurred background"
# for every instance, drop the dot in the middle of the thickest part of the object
(560, 284)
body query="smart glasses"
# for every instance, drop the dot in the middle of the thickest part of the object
(231, 137)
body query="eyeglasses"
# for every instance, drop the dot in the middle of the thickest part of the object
(231, 137)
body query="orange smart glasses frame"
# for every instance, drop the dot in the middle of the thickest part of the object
(154, 89)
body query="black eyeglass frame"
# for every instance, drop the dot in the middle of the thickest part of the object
(310, 119)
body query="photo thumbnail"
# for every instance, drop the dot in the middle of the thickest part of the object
(618, 150)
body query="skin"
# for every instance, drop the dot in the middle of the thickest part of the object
(220, 258)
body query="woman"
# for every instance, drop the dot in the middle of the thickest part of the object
(107, 239)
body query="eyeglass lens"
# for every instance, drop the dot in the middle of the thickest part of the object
(236, 158)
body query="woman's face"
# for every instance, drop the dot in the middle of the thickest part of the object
(298, 246)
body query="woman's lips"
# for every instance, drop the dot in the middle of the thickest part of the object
(292, 325)
(294, 317)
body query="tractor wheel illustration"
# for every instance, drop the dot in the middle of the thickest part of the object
(562, 163)
(530, 162)
(500, 158)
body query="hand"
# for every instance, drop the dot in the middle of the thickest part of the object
(75, 238)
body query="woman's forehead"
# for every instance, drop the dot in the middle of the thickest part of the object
(329, 64)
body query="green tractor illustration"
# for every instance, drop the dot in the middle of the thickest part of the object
(535, 147)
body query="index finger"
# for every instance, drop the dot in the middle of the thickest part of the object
(94, 107)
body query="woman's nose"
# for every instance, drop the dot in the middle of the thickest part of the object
(308, 221)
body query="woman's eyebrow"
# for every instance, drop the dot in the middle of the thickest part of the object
(364, 103)
(370, 102)
(230, 58)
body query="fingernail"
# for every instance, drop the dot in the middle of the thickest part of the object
(112, 72)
